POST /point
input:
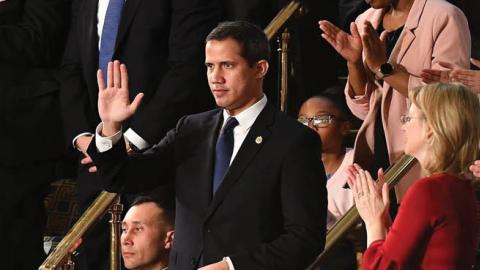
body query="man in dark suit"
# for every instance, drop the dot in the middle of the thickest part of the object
(249, 184)
(32, 38)
(161, 42)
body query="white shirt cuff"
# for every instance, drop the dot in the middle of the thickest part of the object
(136, 140)
(104, 144)
(76, 137)
(230, 263)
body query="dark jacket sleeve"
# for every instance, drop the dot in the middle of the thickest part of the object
(304, 204)
(138, 172)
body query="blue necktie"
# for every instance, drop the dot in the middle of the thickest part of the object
(223, 152)
(109, 33)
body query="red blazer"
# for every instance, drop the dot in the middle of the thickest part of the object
(436, 228)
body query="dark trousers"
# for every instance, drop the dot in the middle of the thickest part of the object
(23, 217)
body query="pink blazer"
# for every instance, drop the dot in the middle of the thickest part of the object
(435, 31)
(340, 199)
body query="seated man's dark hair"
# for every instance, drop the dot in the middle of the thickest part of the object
(165, 203)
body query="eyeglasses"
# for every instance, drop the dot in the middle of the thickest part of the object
(406, 119)
(319, 121)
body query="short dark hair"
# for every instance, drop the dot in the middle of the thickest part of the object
(335, 95)
(166, 204)
(252, 40)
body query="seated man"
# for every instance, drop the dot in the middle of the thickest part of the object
(147, 234)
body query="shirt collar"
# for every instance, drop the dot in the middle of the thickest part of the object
(247, 117)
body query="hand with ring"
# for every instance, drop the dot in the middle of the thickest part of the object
(371, 199)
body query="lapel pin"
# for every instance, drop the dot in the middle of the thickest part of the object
(259, 140)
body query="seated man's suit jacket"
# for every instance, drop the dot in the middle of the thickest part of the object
(268, 213)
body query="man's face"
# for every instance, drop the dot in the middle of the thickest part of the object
(143, 239)
(235, 84)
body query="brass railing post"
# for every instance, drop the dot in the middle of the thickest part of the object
(284, 70)
(273, 27)
(115, 227)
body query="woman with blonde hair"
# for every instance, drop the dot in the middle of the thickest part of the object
(436, 226)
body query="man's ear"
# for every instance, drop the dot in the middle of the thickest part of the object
(169, 239)
(261, 69)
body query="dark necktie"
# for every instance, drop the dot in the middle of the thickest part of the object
(223, 152)
(109, 33)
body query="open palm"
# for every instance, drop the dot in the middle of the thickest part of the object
(349, 46)
(113, 100)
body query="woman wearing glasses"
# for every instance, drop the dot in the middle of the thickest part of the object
(436, 226)
(328, 115)
(389, 46)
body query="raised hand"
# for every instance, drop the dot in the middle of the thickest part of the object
(349, 46)
(374, 47)
(114, 105)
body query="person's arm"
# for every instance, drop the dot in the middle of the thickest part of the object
(132, 173)
(303, 200)
(74, 100)
(375, 56)
(454, 73)
(413, 221)
(36, 39)
(183, 89)
(108, 151)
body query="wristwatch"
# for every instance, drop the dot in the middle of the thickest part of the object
(385, 70)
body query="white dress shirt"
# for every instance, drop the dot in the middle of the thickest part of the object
(245, 120)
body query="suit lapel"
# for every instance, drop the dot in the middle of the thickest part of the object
(250, 147)
(128, 14)
(408, 33)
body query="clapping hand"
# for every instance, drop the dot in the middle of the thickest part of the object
(371, 199)
(114, 105)
(374, 47)
(475, 168)
(349, 46)
(454, 73)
